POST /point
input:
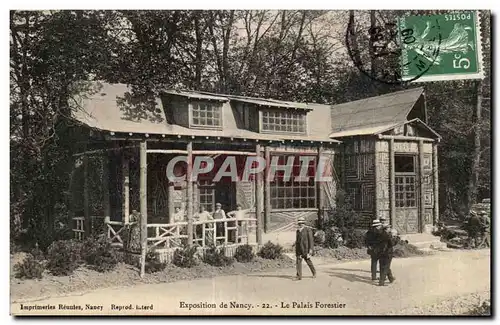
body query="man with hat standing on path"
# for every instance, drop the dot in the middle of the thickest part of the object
(371, 241)
(304, 245)
(485, 229)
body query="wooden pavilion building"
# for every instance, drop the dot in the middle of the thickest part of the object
(379, 150)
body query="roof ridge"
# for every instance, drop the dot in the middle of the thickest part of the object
(383, 95)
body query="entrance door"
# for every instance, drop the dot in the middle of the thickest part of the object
(406, 194)
(225, 194)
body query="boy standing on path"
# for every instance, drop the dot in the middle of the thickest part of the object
(304, 245)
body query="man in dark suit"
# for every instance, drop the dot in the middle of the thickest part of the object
(385, 249)
(304, 245)
(371, 241)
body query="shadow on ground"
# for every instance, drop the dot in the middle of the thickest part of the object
(351, 277)
(289, 277)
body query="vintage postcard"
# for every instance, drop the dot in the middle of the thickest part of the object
(250, 162)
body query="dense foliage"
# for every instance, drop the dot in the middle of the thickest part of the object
(289, 55)
(98, 253)
(244, 254)
(185, 257)
(153, 262)
(64, 257)
(30, 268)
(216, 257)
(271, 251)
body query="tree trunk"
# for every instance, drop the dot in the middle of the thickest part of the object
(476, 158)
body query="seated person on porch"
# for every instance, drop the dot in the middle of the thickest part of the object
(219, 214)
(179, 215)
(239, 214)
(204, 215)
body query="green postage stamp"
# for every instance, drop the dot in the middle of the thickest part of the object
(441, 47)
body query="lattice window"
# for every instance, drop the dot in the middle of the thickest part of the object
(405, 191)
(206, 114)
(284, 121)
(293, 194)
(206, 195)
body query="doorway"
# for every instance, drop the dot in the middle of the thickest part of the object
(406, 194)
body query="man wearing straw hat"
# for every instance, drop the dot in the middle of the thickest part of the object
(371, 241)
(304, 245)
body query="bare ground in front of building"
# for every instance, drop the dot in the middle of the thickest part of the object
(424, 285)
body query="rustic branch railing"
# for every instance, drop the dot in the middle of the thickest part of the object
(79, 226)
(211, 232)
(114, 229)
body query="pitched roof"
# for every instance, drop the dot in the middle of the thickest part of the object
(375, 130)
(197, 95)
(376, 111)
(106, 111)
(263, 101)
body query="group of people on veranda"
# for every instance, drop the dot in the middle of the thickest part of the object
(380, 240)
(220, 227)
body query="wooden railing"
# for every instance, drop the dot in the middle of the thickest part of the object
(79, 228)
(114, 229)
(205, 233)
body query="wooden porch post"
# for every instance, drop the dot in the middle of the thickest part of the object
(170, 201)
(125, 189)
(319, 191)
(267, 190)
(105, 186)
(392, 180)
(143, 204)
(258, 199)
(189, 200)
(421, 182)
(435, 169)
(375, 178)
(86, 199)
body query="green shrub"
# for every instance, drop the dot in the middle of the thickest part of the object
(333, 238)
(216, 257)
(38, 254)
(130, 259)
(29, 268)
(153, 263)
(42, 235)
(271, 251)
(63, 257)
(355, 238)
(99, 253)
(185, 257)
(482, 310)
(244, 254)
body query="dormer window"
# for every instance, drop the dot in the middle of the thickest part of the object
(284, 121)
(206, 114)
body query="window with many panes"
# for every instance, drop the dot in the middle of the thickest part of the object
(284, 121)
(405, 191)
(404, 181)
(206, 194)
(292, 193)
(206, 114)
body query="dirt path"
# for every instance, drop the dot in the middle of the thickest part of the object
(339, 289)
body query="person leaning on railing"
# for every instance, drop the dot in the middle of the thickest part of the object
(219, 214)
(204, 215)
(239, 214)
